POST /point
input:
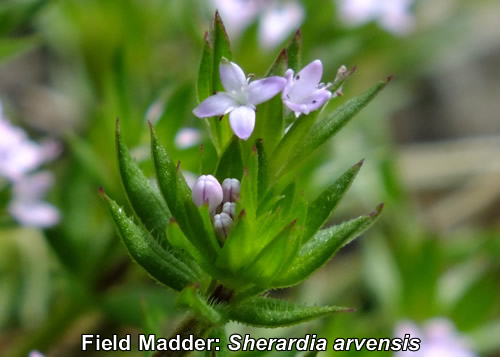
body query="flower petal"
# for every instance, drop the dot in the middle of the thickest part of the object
(264, 89)
(311, 103)
(217, 104)
(242, 121)
(34, 213)
(306, 81)
(232, 76)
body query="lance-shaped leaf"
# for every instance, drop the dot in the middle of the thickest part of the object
(220, 130)
(294, 51)
(322, 207)
(204, 85)
(161, 264)
(263, 174)
(222, 48)
(322, 247)
(269, 125)
(177, 194)
(267, 312)
(145, 199)
(275, 256)
(190, 298)
(332, 123)
(240, 247)
(230, 164)
(280, 158)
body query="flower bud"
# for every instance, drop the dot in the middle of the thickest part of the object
(229, 208)
(231, 189)
(222, 225)
(207, 190)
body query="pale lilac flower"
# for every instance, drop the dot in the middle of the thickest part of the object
(277, 19)
(35, 354)
(207, 190)
(222, 225)
(439, 338)
(393, 15)
(26, 205)
(304, 93)
(231, 190)
(239, 99)
(187, 137)
(18, 154)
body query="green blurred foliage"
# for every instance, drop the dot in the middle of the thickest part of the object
(138, 60)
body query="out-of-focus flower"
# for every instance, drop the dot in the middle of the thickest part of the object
(187, 137)
(207, 190)
(439, 338)
(222, 225)
(277, 19)
(392, 15)
(304, 93)
(231, 190)
(35, 354)
(240, 98)
(18, 154)
(27, 207)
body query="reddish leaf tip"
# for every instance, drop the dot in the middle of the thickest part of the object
(353, 69)
(101, 192)
(389, 79)
(377, 210)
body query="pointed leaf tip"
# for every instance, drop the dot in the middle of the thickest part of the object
(101, 192)
(377, 210)
(353, 69)
(389, 79)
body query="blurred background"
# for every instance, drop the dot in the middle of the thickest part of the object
(431, 143)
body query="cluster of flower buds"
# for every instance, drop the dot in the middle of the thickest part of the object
(221, 201)
(302, 93)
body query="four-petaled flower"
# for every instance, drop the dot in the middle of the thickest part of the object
(304, 93)
(240, 98)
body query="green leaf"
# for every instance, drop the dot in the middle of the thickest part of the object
(230, 164)
(220, 129)
(177, 194)
(263, 174)
(294, 51)
(322, 247)
(281, 156)
(322, 207)
(145, 199)
(191, 299)
(267, 312)
(331, 124)
(269, 125)
(204, 85)
(222, 48)
(239, 248)
(249, 186)
(275, 256)
(161, 264)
